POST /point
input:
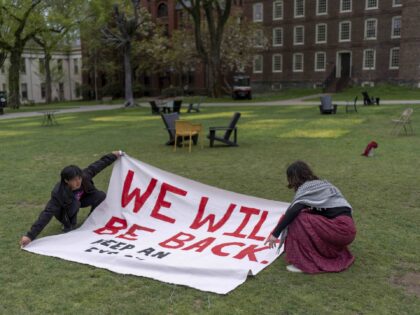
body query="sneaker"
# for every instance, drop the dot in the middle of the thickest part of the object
(292, 268)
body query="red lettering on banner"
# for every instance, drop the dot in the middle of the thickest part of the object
(250, 252)
(217, 250)
(113, 226)
(131, 235)
(199, 221)
(126, 197)
(248, 213)
(179, 240)
(162, 203)
(201, 245)
(257, 228)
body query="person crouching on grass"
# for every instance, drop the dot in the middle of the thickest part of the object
(317, 226)
(75, 190)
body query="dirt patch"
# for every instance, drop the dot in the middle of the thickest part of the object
(410, 282)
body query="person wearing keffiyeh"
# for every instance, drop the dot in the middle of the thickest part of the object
(318, 225)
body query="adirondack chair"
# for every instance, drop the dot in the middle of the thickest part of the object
(367, 100)
(154, 107)
(403, 122)
(327, 107)
(177, 106)
(231, 128)
(169, 121)
(195, 106)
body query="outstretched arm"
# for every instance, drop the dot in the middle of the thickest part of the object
(93, 169)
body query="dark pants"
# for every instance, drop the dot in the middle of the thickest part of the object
(92, 199)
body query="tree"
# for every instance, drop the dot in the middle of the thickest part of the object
(127, 26)
(19, 22)
(216, 15)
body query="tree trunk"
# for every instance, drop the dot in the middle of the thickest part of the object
(215, 72)
(48, 80)
(129, 101)
(14, 72)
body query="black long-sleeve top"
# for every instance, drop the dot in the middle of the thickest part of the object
(294, 211)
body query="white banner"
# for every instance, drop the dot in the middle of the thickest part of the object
(165, 227)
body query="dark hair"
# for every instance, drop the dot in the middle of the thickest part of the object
(298, 173)
(70, 172)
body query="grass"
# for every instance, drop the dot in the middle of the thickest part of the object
(384, 91)
(383, 191)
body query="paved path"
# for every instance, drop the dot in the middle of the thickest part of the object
(297, 101)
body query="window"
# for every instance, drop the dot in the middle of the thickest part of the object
(396, 27)
(23, 65)
(278, 10)
(371, 4)
(162, 10)
(258, 64)
(320, 61)
(321, 33)
(43, 90)
(60, 65)
(277, 63)
(277, 36)
(41, 66)
(394, 58)
(76, 66)
(371, 26)
(299, 8)
(396, 3)
(259, 38)
(345, 31)
(257, 12)
(24, 91)
(298, 35)
(345, 5)
(369, 59)
(321, 7)
(77, 90)
(298, 62)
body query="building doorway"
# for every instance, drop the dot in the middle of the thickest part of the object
(344, 65)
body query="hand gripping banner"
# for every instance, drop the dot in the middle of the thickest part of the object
(162, 226)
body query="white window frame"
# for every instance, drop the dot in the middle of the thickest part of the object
(371, 8)
(390, 58)
(294, 62)
(303, 35)
(254, 8)
(281, 63)
(340, 32)
(260, 35)
(341, 6)
(317, 8)
(295, 9)
(393, 28)
(274, 36)
(317, 33)
(316, 69)
(275, 18)
(366, 29)
(364, 59)
(262, 64)
(394, 4)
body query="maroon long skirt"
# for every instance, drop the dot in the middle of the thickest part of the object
(317, 244)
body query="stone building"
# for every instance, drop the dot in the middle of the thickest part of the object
(66, 79)
(333, 43)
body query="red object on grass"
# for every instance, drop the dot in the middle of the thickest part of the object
(371, 145)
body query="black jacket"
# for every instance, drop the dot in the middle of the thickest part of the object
(62, 196)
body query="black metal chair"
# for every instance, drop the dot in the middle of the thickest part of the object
(231, 128)
(351, 105)
(155, 108)
(327, 107)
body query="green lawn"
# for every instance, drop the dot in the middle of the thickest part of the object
(384, 191)
(383, 91)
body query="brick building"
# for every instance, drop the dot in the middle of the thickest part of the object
(336, 42)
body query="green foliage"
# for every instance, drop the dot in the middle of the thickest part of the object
(383, 191)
